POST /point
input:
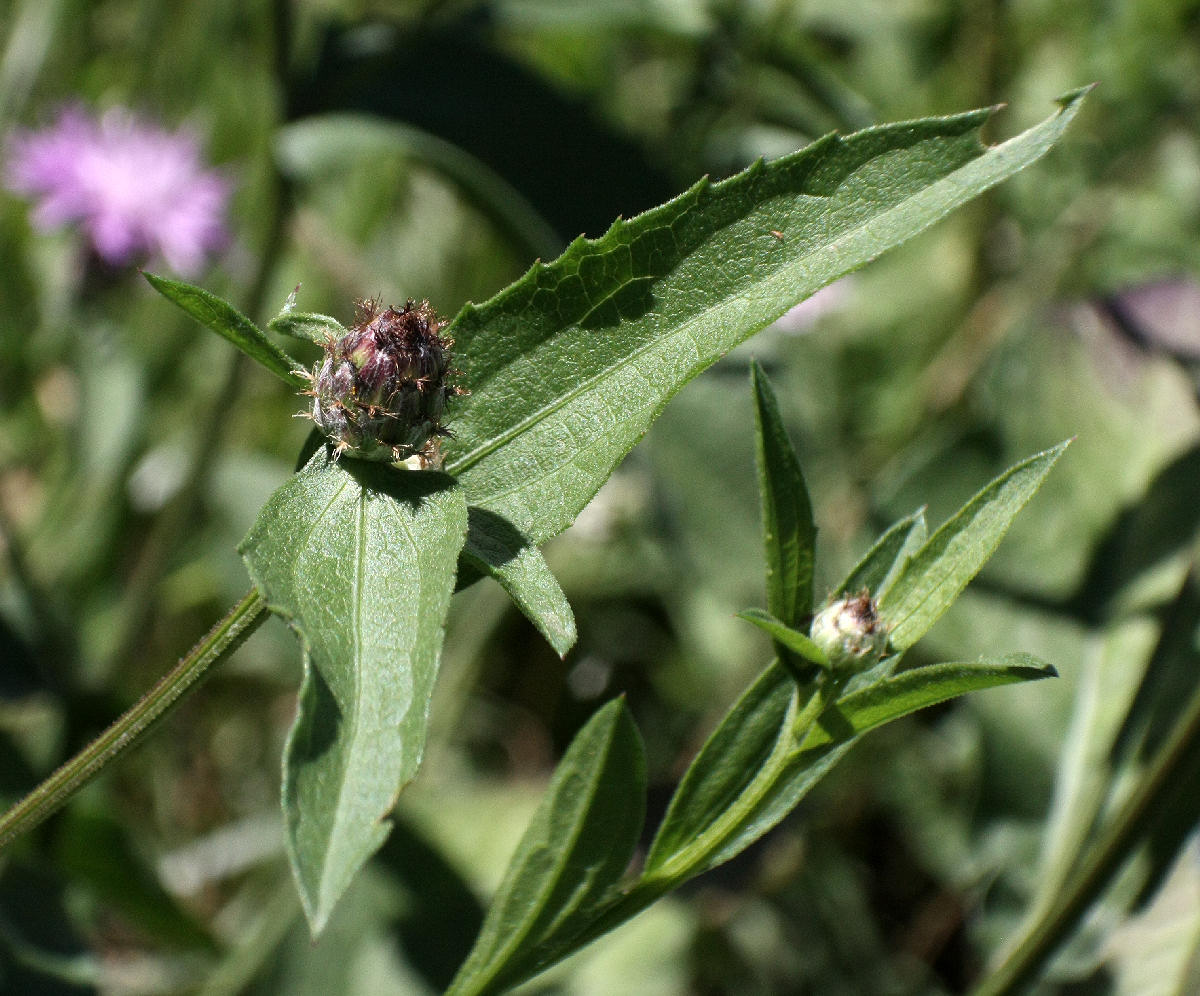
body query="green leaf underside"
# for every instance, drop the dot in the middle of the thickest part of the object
(570, 365)
(932, 578)
(493, 547)
(360, 558)
(310, 327)
(227, 321)
(789, 533)
(751, 773)
(574, 852)
(793, 639)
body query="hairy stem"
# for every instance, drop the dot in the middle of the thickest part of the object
(242, 620)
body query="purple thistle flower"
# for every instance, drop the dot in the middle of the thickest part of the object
(135, 189)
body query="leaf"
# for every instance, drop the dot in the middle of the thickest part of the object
(738, 754)
(225, 320)
(933, 578)
(359, 557)
(883, 562)
(493, 547)
(920, 688)
(309, 326)
(569, 861)
(751, 772)
(569, 366)
(789, 534)
(793, 639)
(1154, 803)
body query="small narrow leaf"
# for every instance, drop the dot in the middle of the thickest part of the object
(570, 365)
(905, 693)
(885, 560)
(227, 321)
(360, 558)
(310, 327)
(793, 639)
(933, 578)
(575, 851)
(789, 534)
(495, 548)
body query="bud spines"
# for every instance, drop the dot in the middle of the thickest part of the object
(382, 389)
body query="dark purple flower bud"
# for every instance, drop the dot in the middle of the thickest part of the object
(381, 392)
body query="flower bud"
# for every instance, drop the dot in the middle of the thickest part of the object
(851, 633)
(381, 392)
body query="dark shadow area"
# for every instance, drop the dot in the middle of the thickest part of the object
(437, 933)
(492, 540)
(450, 81)
(34, 925)
(408, 486)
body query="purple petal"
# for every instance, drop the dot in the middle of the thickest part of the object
(134, 189)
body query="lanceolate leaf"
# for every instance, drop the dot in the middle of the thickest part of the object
(789, 534)
(569, 366)
(795, 641)
(886, 559)
(309, 326)
(225, 320)
(751, 772)
(360, 558)
(494, 547)
(744, 750)
(919, 688)
(932, 579)
(576, 849)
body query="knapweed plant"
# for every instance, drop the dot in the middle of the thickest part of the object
(446, 451)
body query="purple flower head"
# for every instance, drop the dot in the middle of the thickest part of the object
(135, 189)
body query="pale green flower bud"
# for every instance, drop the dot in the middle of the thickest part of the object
(850, 633)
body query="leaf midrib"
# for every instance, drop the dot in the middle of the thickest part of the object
(361, 532)
(356, 715)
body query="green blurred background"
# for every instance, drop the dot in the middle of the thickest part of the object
(434, 150)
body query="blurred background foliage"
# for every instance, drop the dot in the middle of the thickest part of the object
(434, 150)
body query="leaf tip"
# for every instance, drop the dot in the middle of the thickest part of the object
(1061, 448)
(1032, 668)
(317, 920)
(756, 372)
(561, 638)
(1072, 97)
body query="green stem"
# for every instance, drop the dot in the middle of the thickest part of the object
(1163, 778)
(242, 620)
(694, 859)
